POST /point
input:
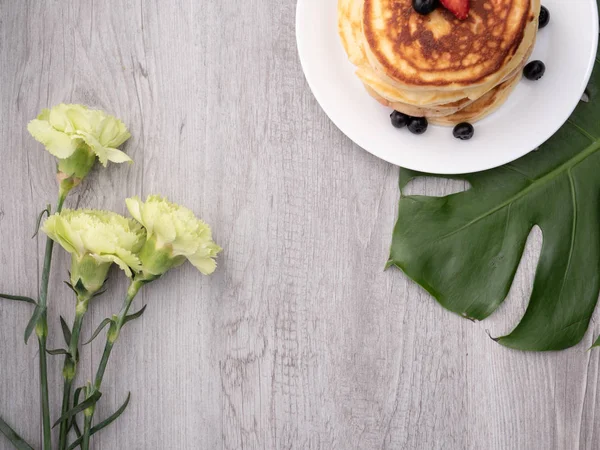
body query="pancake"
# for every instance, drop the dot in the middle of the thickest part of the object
(446, 109)
(350, 25)
(440, 52)
(418, 111)
(350, 30)
(437, 66)
(482, 107)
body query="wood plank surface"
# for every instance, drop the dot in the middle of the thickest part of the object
(300, 340)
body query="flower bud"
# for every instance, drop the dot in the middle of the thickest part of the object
(88, 274)
(157, 258)
(79, 163)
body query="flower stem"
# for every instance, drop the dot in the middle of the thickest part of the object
(42, 333)
(111, 337)
(70, 365)
(67, 385)
(87, 426)
(44, 393)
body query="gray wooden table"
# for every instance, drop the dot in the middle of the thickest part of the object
(300, 339)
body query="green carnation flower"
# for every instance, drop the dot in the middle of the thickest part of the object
(174, 234)
(96, 239)
(76, 135)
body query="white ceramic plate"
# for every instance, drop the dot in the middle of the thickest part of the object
(533, 113)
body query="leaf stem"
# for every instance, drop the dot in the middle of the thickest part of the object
(42, 333)
(70, 365)
(111, 337)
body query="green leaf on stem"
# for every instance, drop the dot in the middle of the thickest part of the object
(70, 287)
(114, 416)
(106, 422)
(39, 220)
(91, 400)
(35, 317)
(73, 421)
(134, 316)
(18, 298)
(79, 287)
(596, 343)
(98, 330)
(76, 428)
(66, 330)
(99, 293)
(16, 440)
(58, 351)
(76, 395)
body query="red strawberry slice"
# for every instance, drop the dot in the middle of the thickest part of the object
(460, 8)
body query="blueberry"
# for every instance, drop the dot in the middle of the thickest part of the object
(534, 70)
(544, 17)
(463, 131)
(425, 7)
(417, 125)
(399, 120)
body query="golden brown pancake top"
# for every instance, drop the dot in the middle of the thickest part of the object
(430, 50)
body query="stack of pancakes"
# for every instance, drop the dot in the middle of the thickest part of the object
(438, 66)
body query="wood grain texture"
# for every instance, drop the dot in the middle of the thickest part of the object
(300, 340)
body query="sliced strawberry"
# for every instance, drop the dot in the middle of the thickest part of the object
(460, 8)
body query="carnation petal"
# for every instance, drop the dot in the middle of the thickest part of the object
(165, 229)
(117, 156)
(59, 120)
(96, 147)
(130, 259)
(80, 118)
(57, 143)
(114, 259)
(134, 205)
(113, 132)
(68, 239)
(203, 264)
(44, 115)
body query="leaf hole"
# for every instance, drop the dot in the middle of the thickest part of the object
(587, 96)
(510, 313)
(435, 187)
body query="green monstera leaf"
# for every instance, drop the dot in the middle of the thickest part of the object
(464, 249)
